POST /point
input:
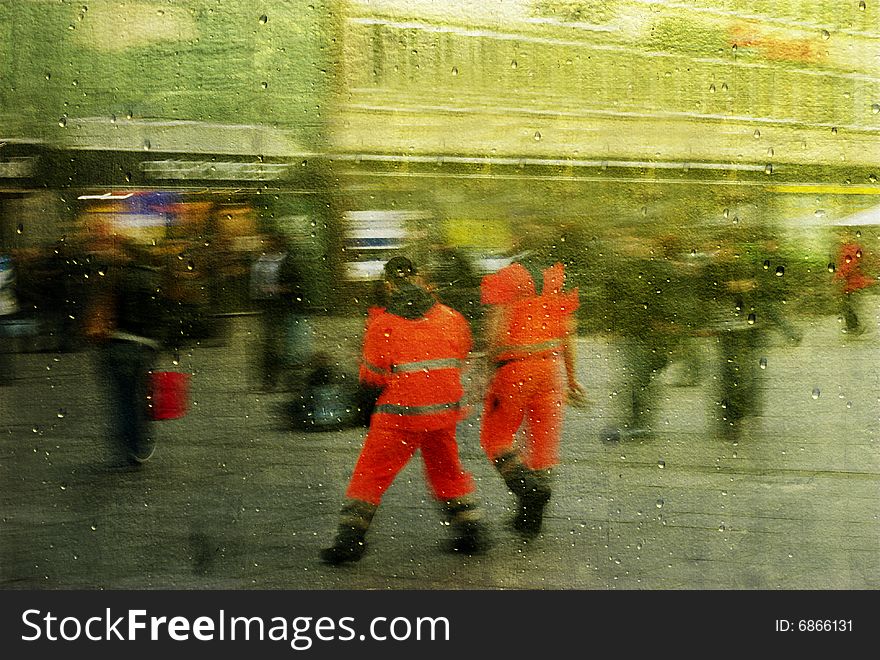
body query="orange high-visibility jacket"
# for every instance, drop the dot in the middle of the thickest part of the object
(418, 364)
(532, 325)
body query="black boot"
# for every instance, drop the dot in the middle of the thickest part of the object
(466, 519)
(532, 489)
(350, 545)
(530, 513)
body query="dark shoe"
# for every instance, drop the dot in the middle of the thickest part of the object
(472, 539)
(343, 551)
(349, 545)
(466, 519)
(530, 513)
(143, 451)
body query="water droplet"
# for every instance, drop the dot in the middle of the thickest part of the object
(712, 88)
(849, 404)
(770, 152)
(834, 130)
(513, 64)
(768, 169)
(826, 35)
(752, 319)
(190, 265)
(264, 85)
(49, 77)
(862, 5)
(816, 392)
(780, 271)
(61, 413)
(660, 503)
(757, 133)
(63, 122)
(160, 12)
(725, 213)
(831, 268)
(264, 19)
(455, 71)
(874, 108)
(766, 264)
(146, 145)
(872, 178)
(19, 229)
(721, 527)
(661, 464)
(537, 136)
(724, 87)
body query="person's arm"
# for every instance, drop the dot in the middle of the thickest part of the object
(576, 392)
(374, 369)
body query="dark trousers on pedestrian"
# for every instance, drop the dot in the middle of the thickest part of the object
(126, 366)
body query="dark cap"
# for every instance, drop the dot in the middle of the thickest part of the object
(399, 268)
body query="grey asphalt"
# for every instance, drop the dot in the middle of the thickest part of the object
(233, 500)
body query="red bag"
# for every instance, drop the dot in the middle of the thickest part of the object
(169, 394)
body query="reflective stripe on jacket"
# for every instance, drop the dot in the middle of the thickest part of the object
(417, 363)
(532, 326)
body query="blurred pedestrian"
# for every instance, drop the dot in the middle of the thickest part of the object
(276, 285)
(654, 293)
(8, 308)
(746, 276)
(128, 320)
(414, 350)
(851, 279)
(530, 340)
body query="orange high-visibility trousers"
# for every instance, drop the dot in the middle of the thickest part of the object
(530, 388)
(388, 449)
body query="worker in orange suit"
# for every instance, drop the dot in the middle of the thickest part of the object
(530, 341)
(414, 350)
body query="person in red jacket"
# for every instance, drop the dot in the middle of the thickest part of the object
(529, 339)
(413, 351)
(849, 275)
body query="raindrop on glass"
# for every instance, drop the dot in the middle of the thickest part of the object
(816, 392)
(862, 5)
(826, 35)
(538, 136)
(757, 133)
(780, 271)
(874, 108)
(455, 71)
(661, 464)
(264, 19)
(763, 363)
(63, 122)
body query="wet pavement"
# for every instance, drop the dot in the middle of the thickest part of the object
(234, 500)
